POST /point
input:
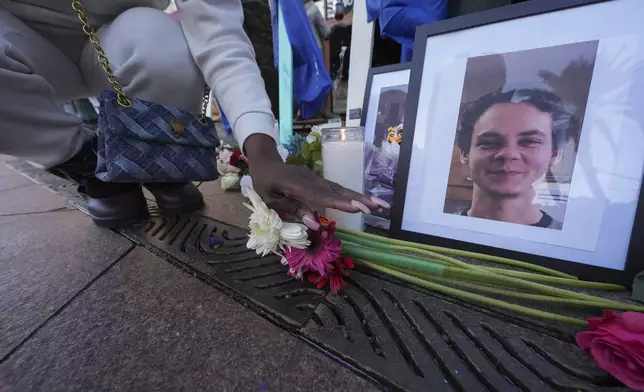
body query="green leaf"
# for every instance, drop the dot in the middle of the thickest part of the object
(316, 156)
(295, 160)
(317, 144)
(305, 152)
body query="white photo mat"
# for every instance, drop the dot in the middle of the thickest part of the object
(597, 227)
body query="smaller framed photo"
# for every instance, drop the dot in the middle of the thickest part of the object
(383, 113)
(529, 145)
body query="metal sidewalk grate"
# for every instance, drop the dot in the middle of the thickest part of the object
(260, 282)
(402, 337)
(412, 340)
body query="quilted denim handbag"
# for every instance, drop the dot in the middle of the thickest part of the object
(141, 141)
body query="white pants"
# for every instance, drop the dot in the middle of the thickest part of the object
(41, 70)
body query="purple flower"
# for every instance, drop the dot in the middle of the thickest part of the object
(214, 240)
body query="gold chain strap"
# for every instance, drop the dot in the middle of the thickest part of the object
(122, 99)
(204, 104)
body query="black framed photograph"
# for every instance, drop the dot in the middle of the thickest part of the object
(385, 101)
(383, 117)
(524, 137)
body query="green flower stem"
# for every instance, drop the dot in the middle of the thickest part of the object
(531, 297)
(391, 248)
(427, 255)
(487, 277)
(436, 257)
(370, 243)
(495, 303)
(457, 252)
(436, 269)
(559, 281)
(449, 261)
(406, 262)
(555, 280)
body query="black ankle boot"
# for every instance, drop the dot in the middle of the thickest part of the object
(109, 204)
(177, 198)
(114, 205)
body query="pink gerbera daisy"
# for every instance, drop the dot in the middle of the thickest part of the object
(319, 256)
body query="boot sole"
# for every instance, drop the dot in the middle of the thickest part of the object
(183, 208)
(116, 223)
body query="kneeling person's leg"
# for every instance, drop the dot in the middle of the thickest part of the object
(37, 79)
(150, 58)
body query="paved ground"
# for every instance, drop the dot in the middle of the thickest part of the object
(83, 309)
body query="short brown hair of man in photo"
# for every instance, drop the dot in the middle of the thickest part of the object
(509, 140)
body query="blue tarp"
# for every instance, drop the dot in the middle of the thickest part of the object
(225, 123)
(224, 120)
(399, 19)
(373, 10)
(311, 80)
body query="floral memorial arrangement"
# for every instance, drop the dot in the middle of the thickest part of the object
(312, 255)
(306, 151)
(232, 165)
(326, 257)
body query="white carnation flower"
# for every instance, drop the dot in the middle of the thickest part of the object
(267, 231)
(294, 235)
(264, 225)
(264, 235)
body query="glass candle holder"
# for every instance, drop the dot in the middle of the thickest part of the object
(343, 163)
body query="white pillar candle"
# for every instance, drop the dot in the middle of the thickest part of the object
(343, 163)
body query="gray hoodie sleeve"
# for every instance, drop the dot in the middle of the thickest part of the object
(216, 37)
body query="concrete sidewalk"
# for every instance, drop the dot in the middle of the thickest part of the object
(84, 309)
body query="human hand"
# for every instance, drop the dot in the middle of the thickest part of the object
(293, 189)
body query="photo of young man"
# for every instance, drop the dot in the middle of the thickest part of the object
(515, 145)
